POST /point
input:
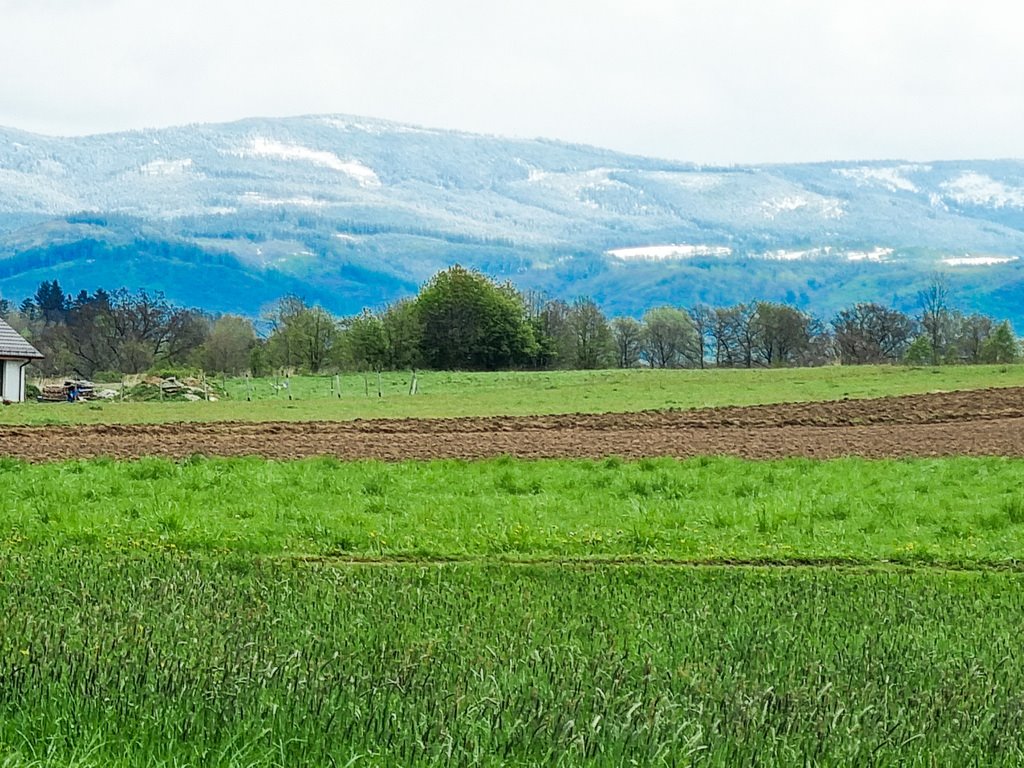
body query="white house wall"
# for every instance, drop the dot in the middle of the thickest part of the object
(13, 386)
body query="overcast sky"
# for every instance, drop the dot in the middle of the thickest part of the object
(724, 81)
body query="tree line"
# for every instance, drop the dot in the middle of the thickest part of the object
(462, 320)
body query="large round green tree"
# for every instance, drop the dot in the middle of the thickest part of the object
(470, 323)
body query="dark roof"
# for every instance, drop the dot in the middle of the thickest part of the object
(13, 345)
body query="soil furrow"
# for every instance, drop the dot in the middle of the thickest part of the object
(975, 423)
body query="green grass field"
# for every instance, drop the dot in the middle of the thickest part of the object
(958, 512)
(487, 394)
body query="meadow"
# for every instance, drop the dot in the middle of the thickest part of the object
(960, 512)
(445, 394)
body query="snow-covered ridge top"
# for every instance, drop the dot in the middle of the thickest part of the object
(663, 252)
(373, 127)
(263, 147)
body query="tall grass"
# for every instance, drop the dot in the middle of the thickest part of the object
(162, 659)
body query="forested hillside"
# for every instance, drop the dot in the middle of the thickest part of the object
(352, 213)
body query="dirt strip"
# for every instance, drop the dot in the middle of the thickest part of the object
(976, 423)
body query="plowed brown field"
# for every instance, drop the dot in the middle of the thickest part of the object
(986, 422)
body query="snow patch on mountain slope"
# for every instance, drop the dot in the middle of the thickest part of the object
(972, 188)
(826, 207)
(595, 188)
(978, 261)
(691, 180)
(664, 252)
(594, 184)
(787, 204)
(892, 178)
(263, 147)
(784, 255)
(166, 167)
(302, 201)
(876, 254)
(577, 179)
(832, 208)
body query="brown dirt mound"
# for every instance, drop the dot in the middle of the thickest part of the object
(987, 422)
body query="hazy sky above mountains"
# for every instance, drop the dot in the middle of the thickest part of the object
(730, 81)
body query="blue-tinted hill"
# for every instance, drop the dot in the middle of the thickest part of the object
(353, 212)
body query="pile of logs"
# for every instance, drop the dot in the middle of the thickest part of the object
(69, 391)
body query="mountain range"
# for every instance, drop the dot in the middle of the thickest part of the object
(351, 212)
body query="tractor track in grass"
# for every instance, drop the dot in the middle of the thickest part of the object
(986, 422)
(855, 564)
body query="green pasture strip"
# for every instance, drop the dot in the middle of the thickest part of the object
(444, 394)
(956, 512)
(159, 659)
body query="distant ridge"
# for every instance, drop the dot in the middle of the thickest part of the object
(354, 212)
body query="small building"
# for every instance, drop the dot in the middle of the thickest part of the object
(15, 354)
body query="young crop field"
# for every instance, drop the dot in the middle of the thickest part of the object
(165, 659)
(446, 395)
